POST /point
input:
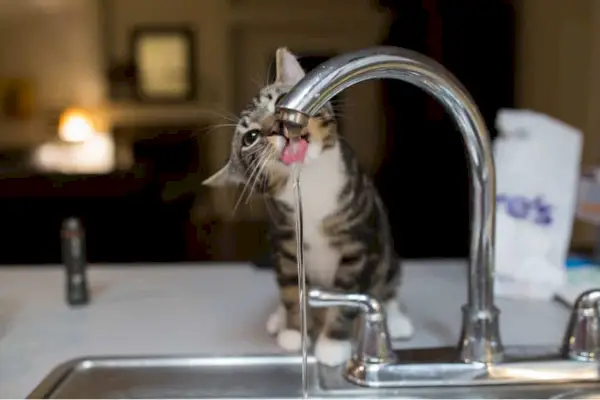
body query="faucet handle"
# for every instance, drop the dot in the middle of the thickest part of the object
(582, 338)
(373, 343)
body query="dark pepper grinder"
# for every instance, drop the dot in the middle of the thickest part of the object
(74, 260)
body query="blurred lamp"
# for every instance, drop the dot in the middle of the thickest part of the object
(75, 126)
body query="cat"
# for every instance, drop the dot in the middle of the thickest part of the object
(347, 239)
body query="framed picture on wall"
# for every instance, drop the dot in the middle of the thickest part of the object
(164, 62)
(16, 99)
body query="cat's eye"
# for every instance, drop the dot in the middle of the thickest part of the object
(250, 137)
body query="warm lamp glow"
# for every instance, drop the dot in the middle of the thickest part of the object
(75, 126)
(95, 155)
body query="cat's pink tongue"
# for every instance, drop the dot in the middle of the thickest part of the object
(294, 151)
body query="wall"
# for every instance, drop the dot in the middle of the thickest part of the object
(59, 52)
(558, 53)
(558, 57)
(234, 39)
(64, 52)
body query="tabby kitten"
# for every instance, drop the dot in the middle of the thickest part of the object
(348, 245)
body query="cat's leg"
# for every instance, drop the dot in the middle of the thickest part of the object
(285, 321)
(334, 344)
(290, 337)
(399, 323)
(277, 320)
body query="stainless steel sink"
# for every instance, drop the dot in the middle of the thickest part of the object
(258, 377)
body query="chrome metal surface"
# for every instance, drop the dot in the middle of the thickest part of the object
(480, 341)
(278, 377)
(479, 367)
(373, 345)
(582, 338)
(480, 355)
(437, 367)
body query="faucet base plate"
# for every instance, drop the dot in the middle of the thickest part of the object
(436, 367)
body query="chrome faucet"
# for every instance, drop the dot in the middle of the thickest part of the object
(480, 340)
(480, 356)
(582, 339)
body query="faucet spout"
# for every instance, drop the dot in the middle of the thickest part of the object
(480, 339)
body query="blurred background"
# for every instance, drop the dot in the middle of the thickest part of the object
(111, 111)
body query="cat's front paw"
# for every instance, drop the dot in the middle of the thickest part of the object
(399, 324)
(277, 320)
(290, 340)
(332, 352)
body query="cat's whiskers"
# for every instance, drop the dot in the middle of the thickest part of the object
(257, 83)
(215, 127)
(228, 116)
(340, 137)
(344, 104)
(268, 207)
(265, 156)
(254, 151)
(254, 168)
(232, 122)
(339, 102)
(268, 77)
(256, 178)
(203, 133)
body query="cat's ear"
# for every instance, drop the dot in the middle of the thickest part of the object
(289, 70)
(226, 176)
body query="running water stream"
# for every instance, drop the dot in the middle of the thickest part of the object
(301, 280)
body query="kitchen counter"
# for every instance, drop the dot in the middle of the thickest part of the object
(207, 309)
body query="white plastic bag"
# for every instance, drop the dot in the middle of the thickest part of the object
(537, 169)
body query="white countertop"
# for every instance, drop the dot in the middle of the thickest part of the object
(206, 309)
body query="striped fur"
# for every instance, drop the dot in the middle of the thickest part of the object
(347, 238)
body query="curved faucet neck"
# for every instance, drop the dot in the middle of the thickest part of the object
(480, 340)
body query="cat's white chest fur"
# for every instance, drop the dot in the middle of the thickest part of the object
(320, 184)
